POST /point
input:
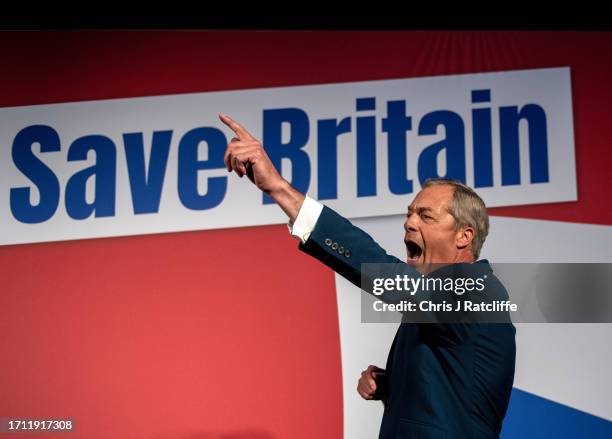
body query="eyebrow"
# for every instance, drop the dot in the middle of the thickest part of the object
(419, 209)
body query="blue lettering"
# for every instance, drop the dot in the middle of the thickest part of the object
(454, 144)
(292, 150)
(43, 178)
(146, 186)
(189, 165)
(327, 155)
(366, 149)
(510, 118)
(483, 141)
(396, 125)
(105, 179)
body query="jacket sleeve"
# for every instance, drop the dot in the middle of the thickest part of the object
(343, 247)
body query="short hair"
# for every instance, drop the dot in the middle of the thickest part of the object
(467, 208)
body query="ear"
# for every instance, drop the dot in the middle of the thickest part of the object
(464, 237)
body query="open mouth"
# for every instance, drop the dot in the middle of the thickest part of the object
(414, 251)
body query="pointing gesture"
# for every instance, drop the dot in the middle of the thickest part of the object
(240, 131)
(245, 155)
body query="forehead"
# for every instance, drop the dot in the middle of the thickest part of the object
(434, 197)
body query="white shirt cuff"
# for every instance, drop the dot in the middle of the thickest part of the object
(306, 220)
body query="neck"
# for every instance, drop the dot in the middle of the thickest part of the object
(464, 258)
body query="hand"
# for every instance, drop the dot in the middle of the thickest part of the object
(366, 386)
(245, 155)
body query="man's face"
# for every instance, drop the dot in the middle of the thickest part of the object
(430, 235)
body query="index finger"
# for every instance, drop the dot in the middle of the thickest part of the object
(235, 126)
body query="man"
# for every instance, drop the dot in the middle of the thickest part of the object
(442, 380)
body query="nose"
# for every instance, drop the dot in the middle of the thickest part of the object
(411, 223)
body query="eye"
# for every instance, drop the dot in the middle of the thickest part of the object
(426, 217)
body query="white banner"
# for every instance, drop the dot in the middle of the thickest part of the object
(155, 164)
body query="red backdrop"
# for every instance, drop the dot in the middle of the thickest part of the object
(228, 333)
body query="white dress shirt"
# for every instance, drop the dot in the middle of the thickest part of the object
(306, 220)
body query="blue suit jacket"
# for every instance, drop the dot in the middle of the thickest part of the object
(445, 380)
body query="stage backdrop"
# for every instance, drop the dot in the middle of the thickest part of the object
(147, 293)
